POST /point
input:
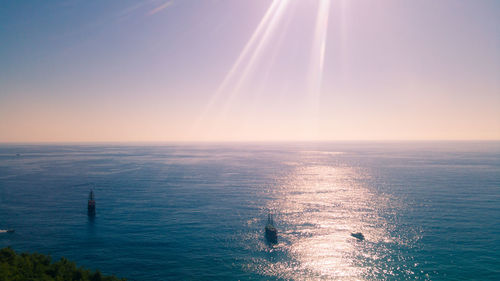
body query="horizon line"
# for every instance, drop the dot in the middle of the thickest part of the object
(247, 141)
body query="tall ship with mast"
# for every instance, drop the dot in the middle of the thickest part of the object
(271, 231)
(91, 204)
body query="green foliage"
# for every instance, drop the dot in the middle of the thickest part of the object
(38, 267)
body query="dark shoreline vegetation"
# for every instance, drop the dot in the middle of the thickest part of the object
(31, 267)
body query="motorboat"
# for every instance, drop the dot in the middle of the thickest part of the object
(358, 235)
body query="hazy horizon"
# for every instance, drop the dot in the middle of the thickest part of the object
(249, 71)
(256, 142)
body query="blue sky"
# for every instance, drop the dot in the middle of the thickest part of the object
(155, 70)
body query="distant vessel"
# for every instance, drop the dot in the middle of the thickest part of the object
(7, 230)
(91, 204)
(271, 232)
(358, 235)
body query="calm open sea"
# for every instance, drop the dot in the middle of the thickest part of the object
(428, 211)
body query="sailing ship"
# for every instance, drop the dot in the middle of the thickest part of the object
(271, 232)
(91, 204)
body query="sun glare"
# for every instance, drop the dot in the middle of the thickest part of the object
(247, 57)
(247, 63)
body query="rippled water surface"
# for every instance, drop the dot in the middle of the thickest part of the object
(428, 211)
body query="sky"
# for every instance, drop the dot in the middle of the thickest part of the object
(256, 70)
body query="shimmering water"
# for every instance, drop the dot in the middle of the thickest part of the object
(429, 211)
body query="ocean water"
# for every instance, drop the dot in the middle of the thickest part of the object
(428, 211)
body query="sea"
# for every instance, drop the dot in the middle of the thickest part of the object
(197, 211)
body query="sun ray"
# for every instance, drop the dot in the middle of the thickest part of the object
(255, 56)
(252, 53)
(237, 65)
(319, 46)
(246, 61)
(317, 63)
(264, 40)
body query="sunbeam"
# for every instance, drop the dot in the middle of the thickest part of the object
(319, 46)
(245, 64)
(249, 47)
(264, 40)
(317, 63)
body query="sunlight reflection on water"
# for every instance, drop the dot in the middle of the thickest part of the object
(317, 208)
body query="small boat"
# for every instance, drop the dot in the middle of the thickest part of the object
(91, 204)
(271, 232)
(7, 230)
(358, 235)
